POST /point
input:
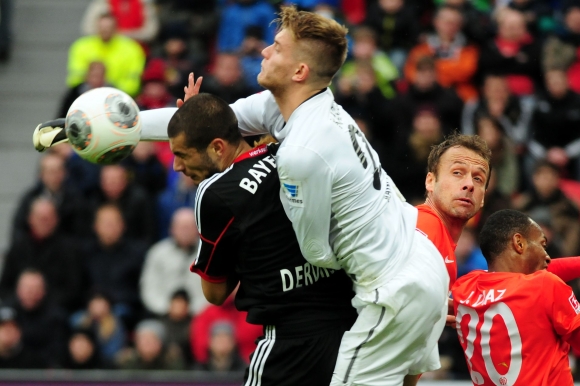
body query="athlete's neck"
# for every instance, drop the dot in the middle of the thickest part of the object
(235, 152)
(289, 100)
(506, 263)
(453, 224)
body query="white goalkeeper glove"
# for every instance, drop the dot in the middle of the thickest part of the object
(48, 134)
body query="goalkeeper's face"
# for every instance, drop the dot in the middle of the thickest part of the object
(197, 165)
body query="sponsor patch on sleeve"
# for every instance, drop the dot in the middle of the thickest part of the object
(574, 303)
(293, 192)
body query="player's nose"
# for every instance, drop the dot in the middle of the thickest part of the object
(265, 51)
(178, 165)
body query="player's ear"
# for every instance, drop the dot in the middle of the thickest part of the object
(518, 243)
(301, 73)
(430, 182)
(216, 147)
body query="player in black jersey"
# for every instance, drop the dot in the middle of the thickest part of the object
(246, 238)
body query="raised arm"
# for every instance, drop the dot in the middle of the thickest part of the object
(566, 268)
(257, 114)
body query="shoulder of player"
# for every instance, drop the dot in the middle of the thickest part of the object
(466, 282)
(210, 190)
(302, 159)
(546, 278)
(429, 223)
(244, 176)
(473, 275)
(427, 215)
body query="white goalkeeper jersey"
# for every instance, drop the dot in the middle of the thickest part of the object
(346, 211)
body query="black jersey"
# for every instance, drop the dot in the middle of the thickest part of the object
(245, 232)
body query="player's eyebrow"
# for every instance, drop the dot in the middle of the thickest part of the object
(178, 154)
(458, 162)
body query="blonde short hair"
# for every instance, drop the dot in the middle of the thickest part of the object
(323, 40)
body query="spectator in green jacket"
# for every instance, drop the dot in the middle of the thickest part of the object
(365, 50)
(123, 57)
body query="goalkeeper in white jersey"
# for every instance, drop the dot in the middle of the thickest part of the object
(346, 211)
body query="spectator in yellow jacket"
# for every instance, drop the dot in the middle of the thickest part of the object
(123, 57)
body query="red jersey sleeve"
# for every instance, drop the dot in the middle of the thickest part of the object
(563, 309)
(430, 224)
(566, 268)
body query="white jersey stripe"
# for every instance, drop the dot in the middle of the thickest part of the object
(268, 349)
(257, 358)
(201, 190)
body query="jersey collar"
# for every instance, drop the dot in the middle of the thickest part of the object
(258, 151)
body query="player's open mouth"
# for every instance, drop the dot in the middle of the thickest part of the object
(466, 201)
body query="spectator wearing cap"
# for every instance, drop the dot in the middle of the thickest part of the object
(425, 91)
(151, 351)
(246, 333)
(455, 59)
(222, 353)
(13, 354)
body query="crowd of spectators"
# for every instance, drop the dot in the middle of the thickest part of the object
(96, 275)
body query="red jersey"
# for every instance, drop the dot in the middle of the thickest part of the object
(516, 329)
(429, 223)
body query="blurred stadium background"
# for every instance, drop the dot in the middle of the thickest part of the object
(33, 84)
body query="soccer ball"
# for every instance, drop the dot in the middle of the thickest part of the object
(103, 125)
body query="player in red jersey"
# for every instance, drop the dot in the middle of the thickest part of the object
(516, 322)
(458, 175)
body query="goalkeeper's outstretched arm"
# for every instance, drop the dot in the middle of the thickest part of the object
(48, 134)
